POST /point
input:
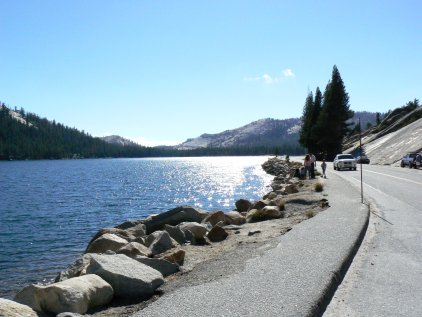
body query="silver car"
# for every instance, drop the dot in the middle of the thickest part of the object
(344, 161)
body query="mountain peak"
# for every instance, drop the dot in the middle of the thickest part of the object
(116, 139)
(262, 132)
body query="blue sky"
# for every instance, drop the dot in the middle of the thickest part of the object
(160, 72)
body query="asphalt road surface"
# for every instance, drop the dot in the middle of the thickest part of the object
(385, 278)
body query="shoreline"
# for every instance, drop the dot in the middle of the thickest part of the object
(47, 226)
(219, 260)
(209, 261)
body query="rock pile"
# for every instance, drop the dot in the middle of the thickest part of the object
(278, 167)
(132, 259)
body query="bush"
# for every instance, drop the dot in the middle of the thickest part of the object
(310, 213)
(319, 187)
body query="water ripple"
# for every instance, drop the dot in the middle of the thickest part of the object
(49, 210)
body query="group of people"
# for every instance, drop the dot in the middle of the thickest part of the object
(309, 164)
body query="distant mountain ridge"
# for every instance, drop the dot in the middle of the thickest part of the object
(116, 139)
(26, 136)
(263, 132)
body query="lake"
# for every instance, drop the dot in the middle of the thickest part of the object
(49, 210)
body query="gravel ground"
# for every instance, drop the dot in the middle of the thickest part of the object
(217, 260)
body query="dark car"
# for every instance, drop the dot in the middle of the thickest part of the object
(363, 159)
(408, 160)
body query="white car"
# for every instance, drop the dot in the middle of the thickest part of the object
(344, 161)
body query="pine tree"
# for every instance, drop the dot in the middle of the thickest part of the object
(311, 111)
(378, 118)
(313, 148)
(331, 125)
(305, 132)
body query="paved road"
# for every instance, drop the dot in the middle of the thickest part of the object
(296, 278)
(385, 278)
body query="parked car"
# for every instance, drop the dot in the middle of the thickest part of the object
(362, 159)
(344, 161)
(408, 160)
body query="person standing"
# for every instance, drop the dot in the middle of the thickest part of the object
(313, 160)
(323, 167)
(307, 163)
(418, 160)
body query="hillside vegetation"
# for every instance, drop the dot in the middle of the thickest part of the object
(25, 135)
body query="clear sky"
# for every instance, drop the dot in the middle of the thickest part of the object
(160, 72)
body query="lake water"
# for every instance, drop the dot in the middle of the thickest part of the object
(49, 210)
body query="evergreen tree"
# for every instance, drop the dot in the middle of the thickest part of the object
(378, 118)
(305, 132)
(313, 148)
(331, 125)
(311, 111)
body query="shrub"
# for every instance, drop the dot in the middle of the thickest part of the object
(310, 213)
(319, 187)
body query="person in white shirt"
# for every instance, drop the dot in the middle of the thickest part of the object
(323, 167)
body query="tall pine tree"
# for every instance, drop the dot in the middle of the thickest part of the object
(311, 111)
(313, 148)
(307, 123)
(331, 126)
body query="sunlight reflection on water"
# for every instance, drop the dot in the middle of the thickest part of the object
(49, 210)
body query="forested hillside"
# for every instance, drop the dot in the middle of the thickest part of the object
(24, 135)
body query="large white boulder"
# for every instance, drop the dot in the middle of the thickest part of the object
(173, 217)
(118, 232)
(217, 216)
(163, 266)
(266, 213)
(159, 242)
(176, 256)
(128, 277)
(9, 308)
(75, 295)
(272, 212)
(107, 241)
(236, 218)
(137, 231)
(176, 234)
(133, 249)
(198, 230)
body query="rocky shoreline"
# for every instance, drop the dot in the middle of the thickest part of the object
(127, 267)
